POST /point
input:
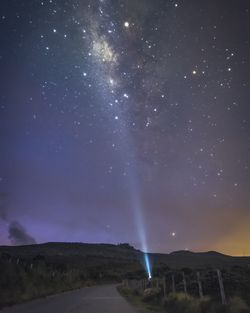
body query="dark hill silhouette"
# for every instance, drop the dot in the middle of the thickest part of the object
(98, 253)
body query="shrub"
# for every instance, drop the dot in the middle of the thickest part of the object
(237, 305)
(181, 303)
(151, 295)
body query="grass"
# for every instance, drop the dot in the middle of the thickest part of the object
(20, 283)
(180, 303)
(136, 299)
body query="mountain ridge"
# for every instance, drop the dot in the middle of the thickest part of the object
(65, 251)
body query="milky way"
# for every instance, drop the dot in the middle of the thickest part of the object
(126, 121)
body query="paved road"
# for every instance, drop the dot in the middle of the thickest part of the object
(100, 299)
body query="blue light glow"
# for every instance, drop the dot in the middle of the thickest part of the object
(139, 221)
(147, 264)
(128, 154)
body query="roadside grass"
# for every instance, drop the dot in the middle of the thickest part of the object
(181, 303)
(136, 299)
(20, 282)
(31, 290)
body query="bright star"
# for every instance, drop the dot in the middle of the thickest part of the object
(126, 24)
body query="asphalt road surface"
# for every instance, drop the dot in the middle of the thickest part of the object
(98, 299)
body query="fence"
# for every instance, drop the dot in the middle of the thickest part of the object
(195, 283)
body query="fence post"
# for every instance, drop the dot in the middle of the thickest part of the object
(199, 285)
(164, 286)
(157, 282)
(127, 284)
(222, 290)
(184, 283)
(173, 284)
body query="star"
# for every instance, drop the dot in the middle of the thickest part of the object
(126, 24)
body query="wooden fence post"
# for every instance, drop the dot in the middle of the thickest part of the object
(173, 284)
(199, 285)
(184, 283)
(157, 282)
(222, 290)
(164, 286)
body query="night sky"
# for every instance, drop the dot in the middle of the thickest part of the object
(126, 121)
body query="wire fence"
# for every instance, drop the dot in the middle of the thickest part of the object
(216, 283)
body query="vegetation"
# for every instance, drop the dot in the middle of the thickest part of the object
(181, 303)
(236, 281)
(21, 281)
(33, 271)
(27, 277)
(150, 294)
(135, 298)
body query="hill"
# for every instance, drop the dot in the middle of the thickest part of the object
(96, 254)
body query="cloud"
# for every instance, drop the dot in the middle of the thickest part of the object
(18, 235)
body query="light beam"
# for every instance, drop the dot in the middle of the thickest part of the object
(107, 62)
